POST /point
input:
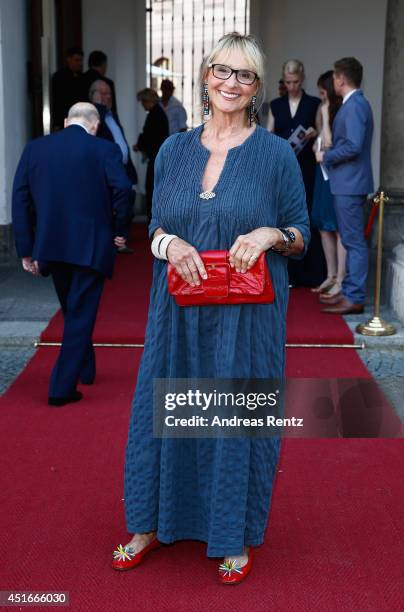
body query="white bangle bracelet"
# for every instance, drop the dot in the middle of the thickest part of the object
(160, 244)
(155, 244)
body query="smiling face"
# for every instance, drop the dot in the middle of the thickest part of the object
(293, 83)
(230, 96)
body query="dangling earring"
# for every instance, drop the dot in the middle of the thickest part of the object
(252, 110)
(205, 99)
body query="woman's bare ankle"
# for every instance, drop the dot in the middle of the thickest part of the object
(240, 560)
(141, 540)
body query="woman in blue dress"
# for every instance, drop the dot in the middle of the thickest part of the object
(227, 184)
(323, 214)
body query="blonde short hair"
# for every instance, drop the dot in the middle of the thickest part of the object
(147, 95)
(294, 66)
(252, 52)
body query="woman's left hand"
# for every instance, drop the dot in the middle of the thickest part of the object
(247, 248)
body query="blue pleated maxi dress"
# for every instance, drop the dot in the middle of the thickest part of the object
(214, 490)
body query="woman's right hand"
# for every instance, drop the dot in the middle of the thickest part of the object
(187, 261)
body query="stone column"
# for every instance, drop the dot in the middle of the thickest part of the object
(392, 161)
(392, 154)
(13, 109)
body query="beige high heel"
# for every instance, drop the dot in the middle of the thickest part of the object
(332, 292)
(325, 285)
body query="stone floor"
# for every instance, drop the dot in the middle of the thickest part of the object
(24, 297)
(12, 362)
(27, 304)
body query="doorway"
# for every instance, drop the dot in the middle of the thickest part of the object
(179, 33)
(54, 26)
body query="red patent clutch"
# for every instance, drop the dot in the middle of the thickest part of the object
(224, 284)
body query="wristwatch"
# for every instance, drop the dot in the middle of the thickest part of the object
(289, 238)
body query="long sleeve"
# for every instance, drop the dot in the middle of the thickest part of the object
(155, 131)
(121, 189)
(355, 129)
(158, 180)
(22, 208)
(292, 200)
(146, 140)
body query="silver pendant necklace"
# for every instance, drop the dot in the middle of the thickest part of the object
(207, 195)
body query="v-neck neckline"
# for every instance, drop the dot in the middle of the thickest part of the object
(208, 153)
(297, 108)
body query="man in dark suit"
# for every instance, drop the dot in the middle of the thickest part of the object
(97, 69)
(348, 163)
(154, 133)
(76, 189)
(110, 128)
(66, 87)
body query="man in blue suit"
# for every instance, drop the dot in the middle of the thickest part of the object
(348, 163)
(70, 207)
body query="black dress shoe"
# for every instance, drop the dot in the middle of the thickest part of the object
(61, 401)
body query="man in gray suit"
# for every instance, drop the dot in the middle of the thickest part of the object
(348, 163)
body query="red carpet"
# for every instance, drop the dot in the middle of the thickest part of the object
(123, 311)
(307, 324)
(334, 540)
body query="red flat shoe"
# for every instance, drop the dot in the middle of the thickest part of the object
(126, 559)
(231, 573)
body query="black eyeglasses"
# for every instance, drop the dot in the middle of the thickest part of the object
(245, 77)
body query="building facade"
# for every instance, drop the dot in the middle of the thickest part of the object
(315, 31)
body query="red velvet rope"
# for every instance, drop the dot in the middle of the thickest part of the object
(371, 220)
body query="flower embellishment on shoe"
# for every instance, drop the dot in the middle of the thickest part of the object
(125, 558)
(228, 567)
(231, 572)
(123, 553)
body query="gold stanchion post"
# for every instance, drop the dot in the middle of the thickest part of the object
(376, 326)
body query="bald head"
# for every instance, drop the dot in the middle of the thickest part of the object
(84, 113)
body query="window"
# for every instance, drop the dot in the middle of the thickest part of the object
(179, 34)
